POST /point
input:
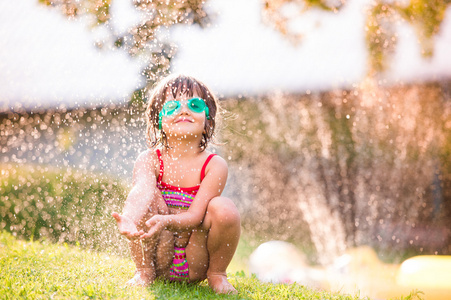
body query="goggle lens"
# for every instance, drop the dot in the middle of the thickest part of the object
(170, 108)
(196, 105)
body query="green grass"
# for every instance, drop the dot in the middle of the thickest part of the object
(42, 270)
(74, 209)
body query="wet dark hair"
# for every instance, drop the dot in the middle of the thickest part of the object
(178, 85)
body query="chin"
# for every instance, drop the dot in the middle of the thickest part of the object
(185, 134)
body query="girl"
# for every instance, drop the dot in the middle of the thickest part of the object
(178, 224)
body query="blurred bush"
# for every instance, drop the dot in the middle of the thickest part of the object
(60, 205)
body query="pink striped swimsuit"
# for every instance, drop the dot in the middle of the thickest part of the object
(179, 197)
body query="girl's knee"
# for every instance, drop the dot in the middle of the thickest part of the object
(224, 210)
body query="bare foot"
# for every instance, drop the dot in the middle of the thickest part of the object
(218, 282)
(143, 277)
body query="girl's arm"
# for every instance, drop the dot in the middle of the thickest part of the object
(212, 186)
(140, 196)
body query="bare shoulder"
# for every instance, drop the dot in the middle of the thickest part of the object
(217, 163)
(147, 160)
(219, 160)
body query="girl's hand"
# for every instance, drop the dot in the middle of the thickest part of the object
(157, 225)
(126, 227)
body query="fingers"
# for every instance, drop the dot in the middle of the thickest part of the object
(132, 235)
(146, 236)
(149, 235)
(127, 229)
(153, 221)
(116, 216)
(149, 223)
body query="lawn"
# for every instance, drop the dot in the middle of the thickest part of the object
(45, 255)
(42, 270)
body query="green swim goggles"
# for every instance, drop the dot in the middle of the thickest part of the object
(173, 107)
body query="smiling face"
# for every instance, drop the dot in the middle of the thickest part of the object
(177, 120)
(180, 88)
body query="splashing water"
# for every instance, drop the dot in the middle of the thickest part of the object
(368, 166)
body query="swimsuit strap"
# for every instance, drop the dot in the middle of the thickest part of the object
(202, 172)
(160, 177)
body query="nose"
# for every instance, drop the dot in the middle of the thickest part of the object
(184, 107)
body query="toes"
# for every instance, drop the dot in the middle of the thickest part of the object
(141, 278)
(220, 285)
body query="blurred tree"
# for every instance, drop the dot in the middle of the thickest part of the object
(426, 17)
(275, 13)
(142, 39)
